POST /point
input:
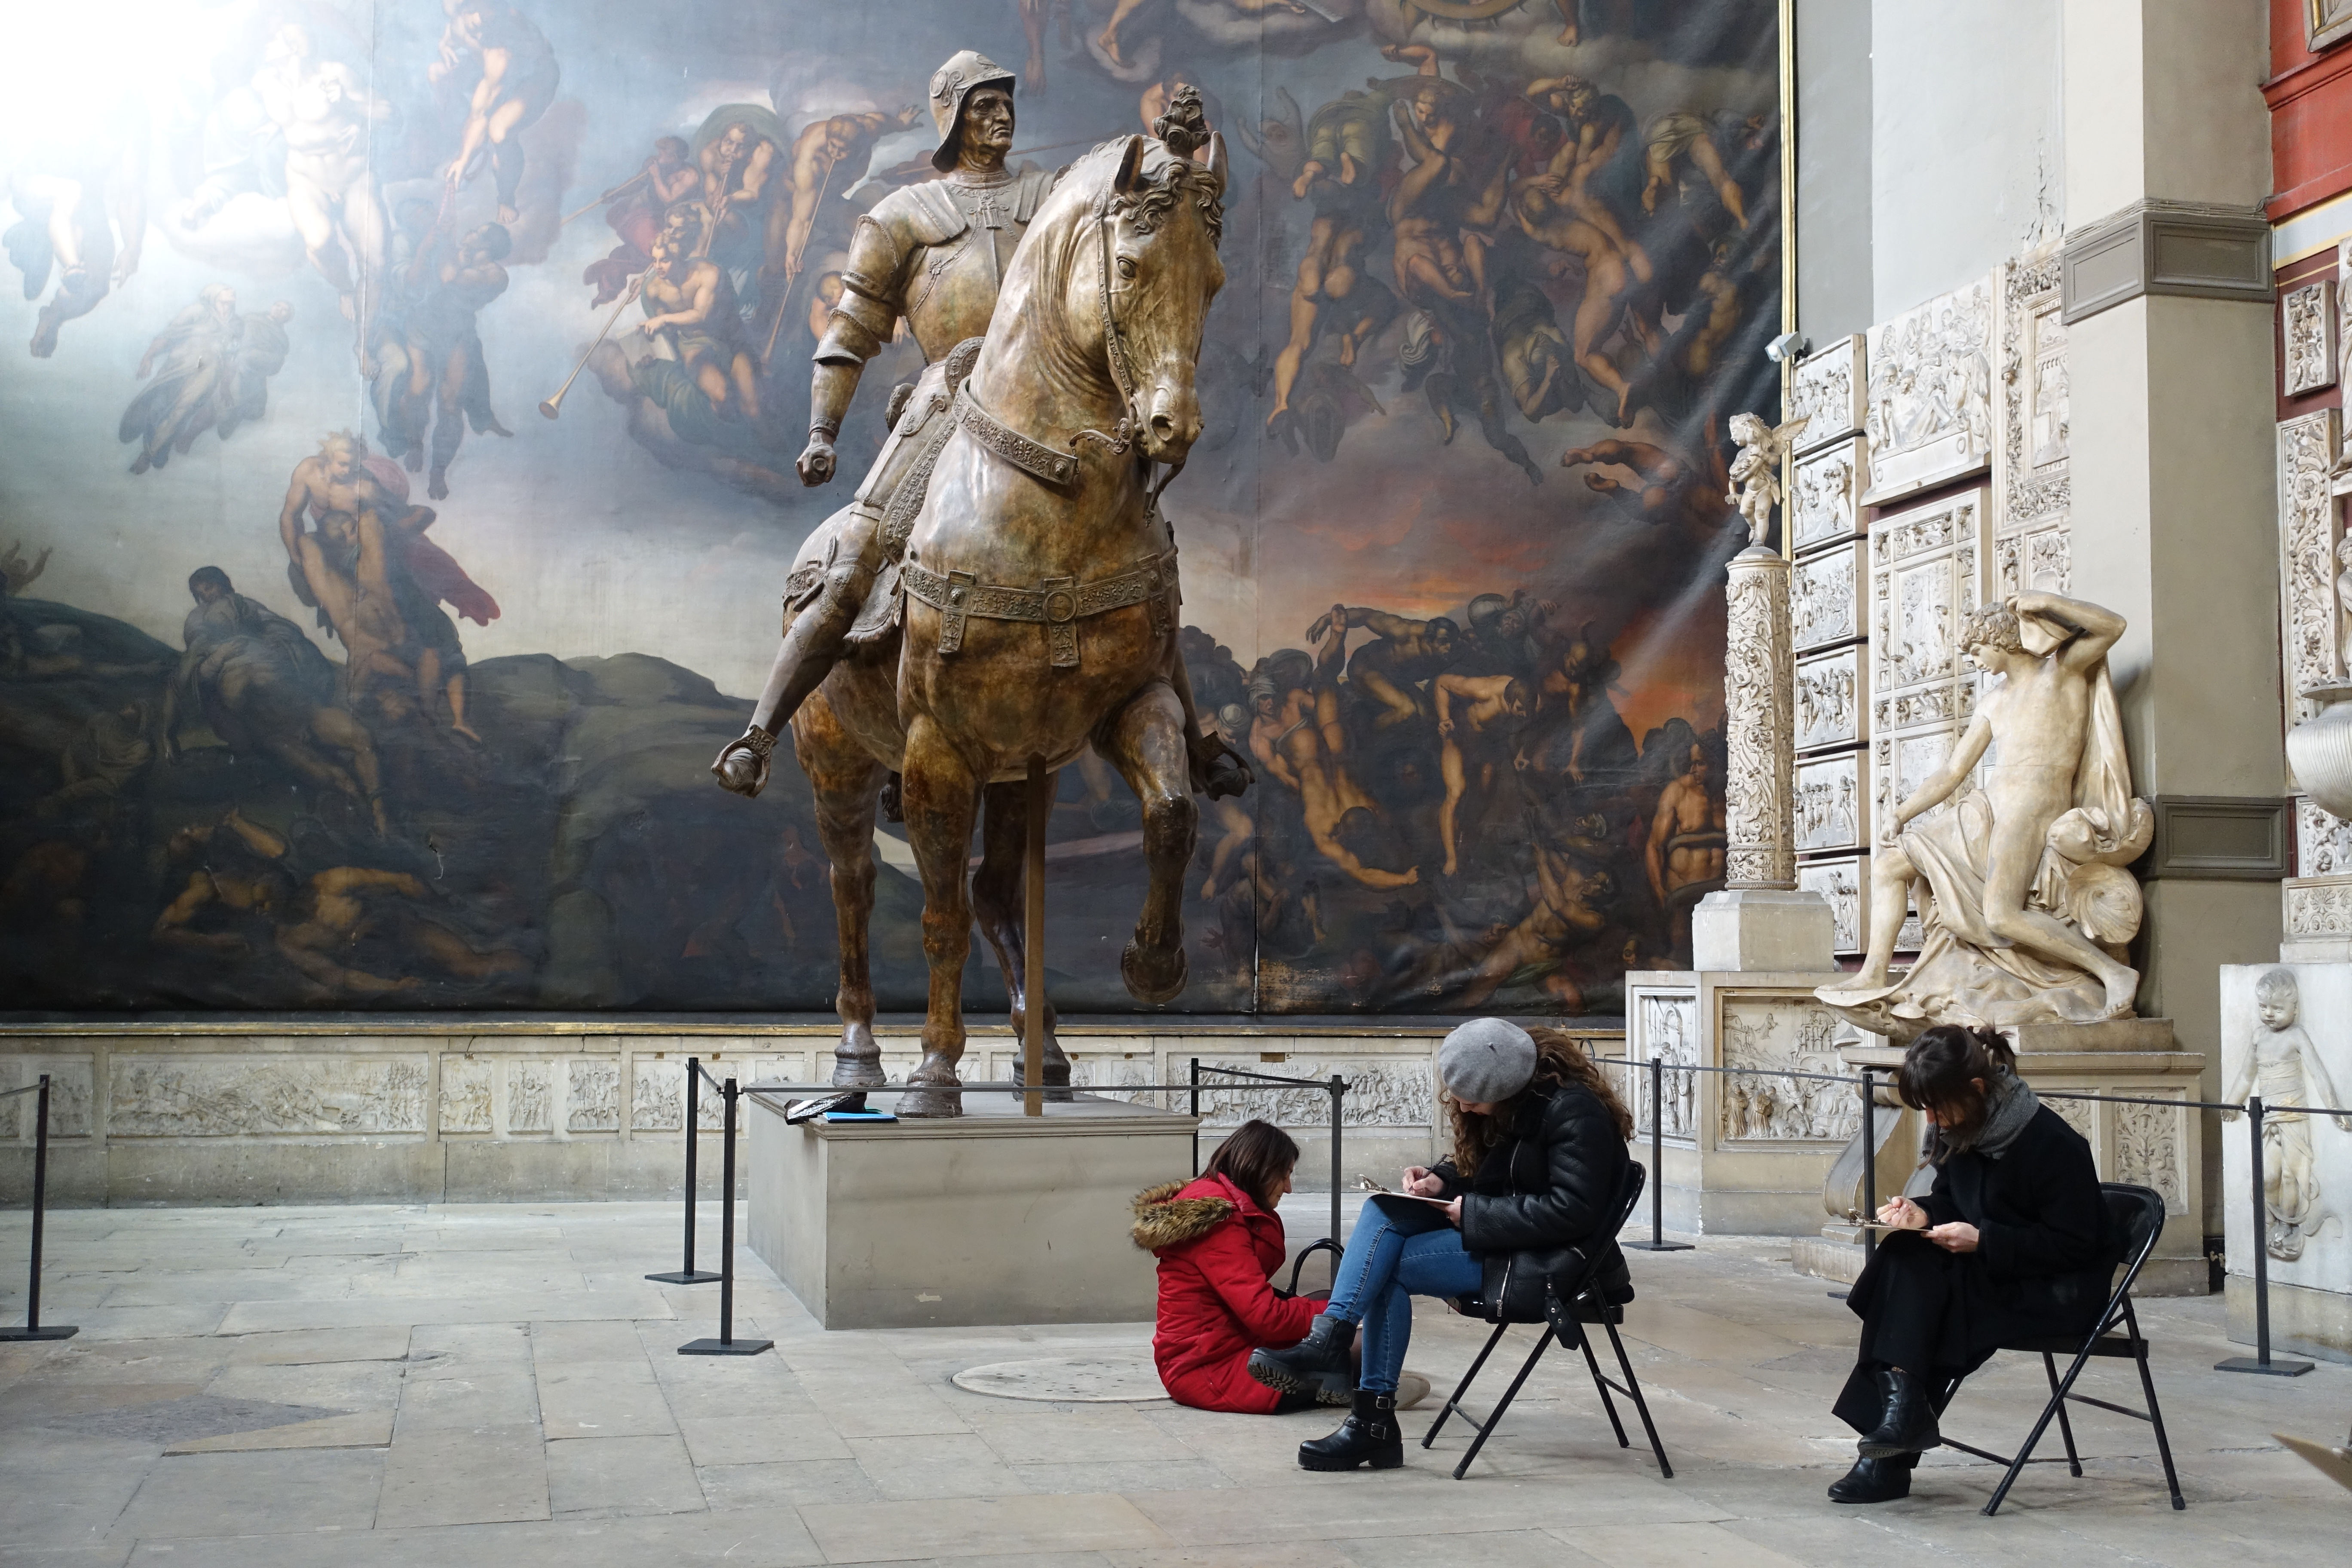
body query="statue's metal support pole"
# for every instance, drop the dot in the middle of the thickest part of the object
(1032, 947)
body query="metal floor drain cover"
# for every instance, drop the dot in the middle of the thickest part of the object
(1073, 1379)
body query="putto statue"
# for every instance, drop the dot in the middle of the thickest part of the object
(1756, 471)
(2027, 906)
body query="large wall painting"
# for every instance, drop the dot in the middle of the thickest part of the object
(339, 671)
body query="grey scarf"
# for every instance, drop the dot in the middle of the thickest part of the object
(2009, 1104)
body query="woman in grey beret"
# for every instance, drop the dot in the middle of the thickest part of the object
(1538, 1164)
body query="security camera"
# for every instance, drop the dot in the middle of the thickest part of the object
(1787, 346)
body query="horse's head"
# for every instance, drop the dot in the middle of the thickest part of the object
(1161, 220)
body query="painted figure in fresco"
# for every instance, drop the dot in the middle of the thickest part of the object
(2286, 1068)
(1391, 668)
(740, 168)
(1348, 148)
(1297, 737)
(670, 417)
(1609, 284)
(435, 374)
(261, 354)
(1477, 717)
(493, 52)
(690, 303)
(1680, 138)
(264, 687)
(80, 194)
(326, 921)
(1685, 851)
(1599, 125)
(933, 257)
(1572, 903)
(197, 352)
(828, 157)
(1669, 489)
(324, 112)
(637, 212)
(378, 584)
(17, 572)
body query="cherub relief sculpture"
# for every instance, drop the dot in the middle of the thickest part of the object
(2026, 905)
(2283, 1065)
(1756, 471)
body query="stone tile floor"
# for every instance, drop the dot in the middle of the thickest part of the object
(497, 1387)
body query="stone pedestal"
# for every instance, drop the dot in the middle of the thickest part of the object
(1759, 929)
(2150, 1145)
(990, 1217)
(1743, 1156)
(2308, 1233)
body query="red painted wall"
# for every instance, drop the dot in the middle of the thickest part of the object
(2310, 98)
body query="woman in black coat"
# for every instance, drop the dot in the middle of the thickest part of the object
(1543, 1137)
(2012, 1243)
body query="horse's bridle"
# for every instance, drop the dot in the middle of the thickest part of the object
(1122, 374)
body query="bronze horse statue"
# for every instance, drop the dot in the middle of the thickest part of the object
(1029, 607)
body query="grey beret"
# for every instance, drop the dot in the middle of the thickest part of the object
(1486, 1060)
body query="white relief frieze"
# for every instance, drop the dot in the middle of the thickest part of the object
(70, 1079)
(1823, 606)
(1664, 1030)
(531, 1096)
(1929, 413)
(1825, 493)
(2147, 1147)
(1825, 390)
(1793, 1035)
(1829, 706)
(1840, 883)
(1380, 1093)
(209, 1096)
(466, 1084)
(2319, 906)
(2307, 566)
(1829, 802)
(2307, 337)
(594, 1103)
(2323, 843)
(1757, 683)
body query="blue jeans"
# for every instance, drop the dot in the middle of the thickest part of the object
(1381, 1273)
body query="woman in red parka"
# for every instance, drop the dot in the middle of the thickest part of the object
(1218, 1239)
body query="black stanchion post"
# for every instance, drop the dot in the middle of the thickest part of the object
(689, 1274)
(1196, 1116)
(1869, 1164)
(1338, 1089)
(1658, 1242)
(727, 1343)
(32, 1329)
(2261, 1362)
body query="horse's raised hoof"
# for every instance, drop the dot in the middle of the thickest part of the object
(1057, 1078)
(1152, 978)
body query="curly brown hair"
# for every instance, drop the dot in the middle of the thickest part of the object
(1560, 1060)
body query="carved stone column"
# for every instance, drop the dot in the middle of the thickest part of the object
(1759, 726)
(1760, 921)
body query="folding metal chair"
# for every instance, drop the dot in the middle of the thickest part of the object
(1572, 1300)
(2139, 1214)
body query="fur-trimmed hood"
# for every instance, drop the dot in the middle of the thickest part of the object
(1162, 1219)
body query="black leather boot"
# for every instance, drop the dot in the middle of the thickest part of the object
(1908, 1426)
(1368, 1436)
(1303, 1368)
(1875, 1480)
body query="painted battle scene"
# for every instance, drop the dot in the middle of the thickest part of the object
(397, 485)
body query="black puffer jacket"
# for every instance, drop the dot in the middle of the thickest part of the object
(1554, 1183)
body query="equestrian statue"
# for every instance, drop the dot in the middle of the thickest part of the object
(1001, 590)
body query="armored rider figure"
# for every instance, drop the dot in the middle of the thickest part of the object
(932, 255)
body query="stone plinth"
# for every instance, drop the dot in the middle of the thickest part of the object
(1743, 1156)
(1760, 929)
(2153, 1146)
(989, 1217)
(2308, 1228)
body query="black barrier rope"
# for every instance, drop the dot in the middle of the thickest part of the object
(32, 1329)
(2261, 1362)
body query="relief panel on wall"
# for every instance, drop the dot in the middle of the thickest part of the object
(1929, 413)
(70, 1081)
(1794, 1034)
(1922, 585)
(1826, 390)
(1843, 885)
(1663, 1026)
(2307, 329)
(1825, 494)
(1825, 597)
(1829, 700)
(205, 1095)
(2311, 610)
(2032, 488)
(1831, 812)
